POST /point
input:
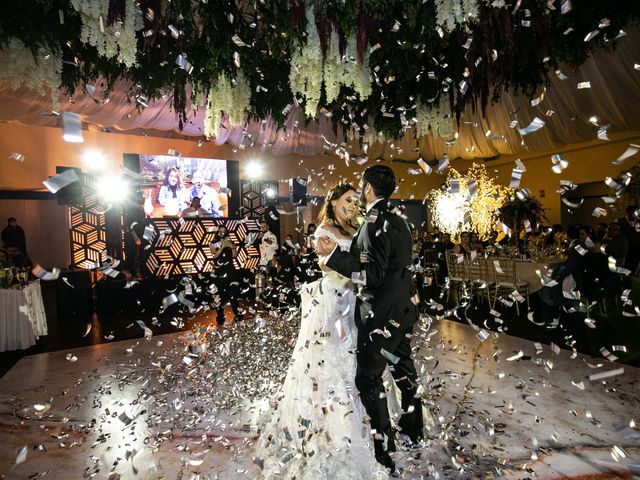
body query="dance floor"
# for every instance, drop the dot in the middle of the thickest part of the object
(499, 407)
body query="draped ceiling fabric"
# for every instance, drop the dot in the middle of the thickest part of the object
(613, 98)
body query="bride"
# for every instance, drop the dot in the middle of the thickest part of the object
(318, 427)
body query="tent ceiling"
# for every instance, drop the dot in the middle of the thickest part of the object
(612, 98)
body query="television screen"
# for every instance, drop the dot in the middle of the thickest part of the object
(170, 183)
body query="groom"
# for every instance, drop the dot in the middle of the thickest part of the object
(386, 309)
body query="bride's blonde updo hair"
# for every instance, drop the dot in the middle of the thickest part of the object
(328, 215)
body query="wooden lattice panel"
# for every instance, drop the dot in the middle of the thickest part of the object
(88, 231)
(256, 197)
(181, 246)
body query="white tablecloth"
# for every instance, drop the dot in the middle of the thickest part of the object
(22, 317)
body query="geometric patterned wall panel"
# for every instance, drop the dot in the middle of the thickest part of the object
(179, 246)
(257, 196)
(88, 233)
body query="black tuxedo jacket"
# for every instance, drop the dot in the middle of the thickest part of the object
(381, 251)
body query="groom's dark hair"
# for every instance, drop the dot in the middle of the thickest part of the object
(382, 179)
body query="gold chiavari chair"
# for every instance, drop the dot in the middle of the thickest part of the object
(479, 278)
(506, 280)
(456, 271)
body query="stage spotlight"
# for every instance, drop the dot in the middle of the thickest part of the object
(94, 160)
(254, 169)
(112, 188)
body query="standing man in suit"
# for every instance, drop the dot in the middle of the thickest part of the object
(380, 256)
(631, 231)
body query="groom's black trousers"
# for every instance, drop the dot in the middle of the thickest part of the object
(371, 365)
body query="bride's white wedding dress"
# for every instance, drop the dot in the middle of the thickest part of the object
(318, 428)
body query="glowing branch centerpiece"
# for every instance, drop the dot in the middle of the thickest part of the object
(468, 202)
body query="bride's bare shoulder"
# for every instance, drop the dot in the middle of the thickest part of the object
(329, 227)
(333, 229)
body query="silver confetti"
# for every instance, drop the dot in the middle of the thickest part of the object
(628, 153)
(535, 125)
(607, 374)
(61, 180)
(72, 128)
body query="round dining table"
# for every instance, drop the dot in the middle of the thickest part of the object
(22, 317)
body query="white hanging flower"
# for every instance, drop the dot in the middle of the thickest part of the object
(354, 74)
(333, 69)
(308, 70)
(40, 73)
(115, 41)
(370, 135)
(452, 12)
(345, 70)
(449, 13)
(232, 99)
(305, 76)
(435, 118)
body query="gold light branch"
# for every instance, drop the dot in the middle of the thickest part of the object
(469, 202)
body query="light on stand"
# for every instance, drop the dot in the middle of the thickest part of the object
(94, 160)
(112, 188)
(254, 169)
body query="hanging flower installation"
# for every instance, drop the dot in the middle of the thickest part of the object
(306, 72)
(470, 202)
(451, 13)
(112, 40)
(436, 119)
(344, 70)
(230, 97)
(39, 71)
(380, 61)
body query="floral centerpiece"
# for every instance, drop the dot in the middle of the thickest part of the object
(520, 208)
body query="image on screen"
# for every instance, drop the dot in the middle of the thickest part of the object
(170, 183)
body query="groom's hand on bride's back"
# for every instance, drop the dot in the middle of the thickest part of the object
(325, 246)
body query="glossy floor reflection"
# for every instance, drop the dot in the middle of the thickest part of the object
(499, 408)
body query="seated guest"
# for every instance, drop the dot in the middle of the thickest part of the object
(491, 240)
(587, 234)
(601, 232)
(615, 245)
(573, 264)
(629, 229)
(569, 274)
(427, 240)
(444, 245)
(195, 210)
(475, 243)
(553, 236)
(465, 244)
